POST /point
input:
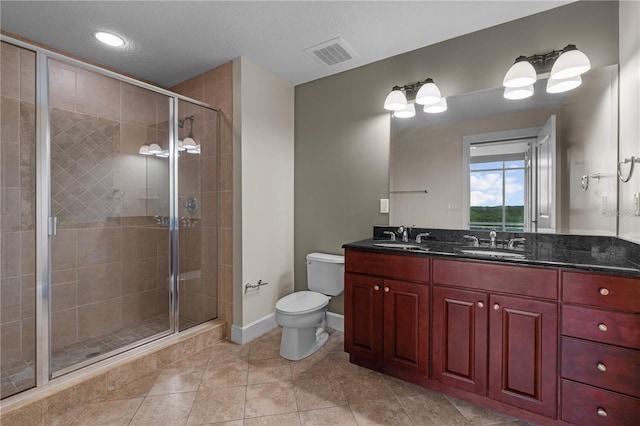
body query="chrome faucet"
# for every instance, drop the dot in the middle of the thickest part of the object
(420, 235)
(402, 231)
(513, 241)
(475, 242)
(493, 238)
(391, 234)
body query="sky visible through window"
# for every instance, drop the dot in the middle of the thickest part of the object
(486, 182)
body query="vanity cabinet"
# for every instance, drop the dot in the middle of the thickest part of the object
(495, 344)
(387, 319)
(600, 349)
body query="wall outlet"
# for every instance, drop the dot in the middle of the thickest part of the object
(384, 205)
(604, 204)
(636, 203)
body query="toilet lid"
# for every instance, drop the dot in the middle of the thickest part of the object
(302, 302)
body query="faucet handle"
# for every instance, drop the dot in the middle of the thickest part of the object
(419, 237)
(512, 242)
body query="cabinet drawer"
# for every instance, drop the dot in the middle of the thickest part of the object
(605, 291)
(524, 281)
(584, 405)
(605, 366)
(409, 268)
(602, 326)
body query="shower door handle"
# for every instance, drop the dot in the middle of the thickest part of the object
(53, 226)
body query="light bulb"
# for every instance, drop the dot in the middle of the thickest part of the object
(514, 93)
(109, 39)
(154, 148)
(428, 94)
(570, 64)
(144, 150)
(188, 143)
(396, 100)
(520, 74)
(408, 112)
(441, 106)
(563, 85)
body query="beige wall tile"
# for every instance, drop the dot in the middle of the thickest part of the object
(10, 71)
(226, 173)
(133, 137)
(10, 165)
(194, 87)
(139, 275)
(64, 329)
(28, 252)
(28, 283)
(138, 307)
(10, 209)
(29, 340)
(99, 318)
(27, 75)
(63, 250)
(9, 254)
(10, 120)
(99, 282)
(62, 85)
(10, 300)
(210, 173)
(63, 296)
(138, 106)
(11, 350)
(95, 246)
(138, 243)
(98, 95)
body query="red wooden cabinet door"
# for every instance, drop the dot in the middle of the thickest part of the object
(523, 347)
(459, 356)
(363, 317)
(406, 327)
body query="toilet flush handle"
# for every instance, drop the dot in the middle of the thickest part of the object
(248, 286)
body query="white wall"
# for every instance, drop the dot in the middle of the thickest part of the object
(263, 135)
(629, 225)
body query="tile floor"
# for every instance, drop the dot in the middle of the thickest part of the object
(251, 385)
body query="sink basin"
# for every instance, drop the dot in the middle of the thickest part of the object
(401, 246)
(492, 253)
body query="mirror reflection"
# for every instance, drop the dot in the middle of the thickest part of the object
(514, 165)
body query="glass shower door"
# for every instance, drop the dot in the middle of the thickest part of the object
(197, 214)
(110, 194)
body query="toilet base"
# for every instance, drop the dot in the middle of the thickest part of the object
(299, 343)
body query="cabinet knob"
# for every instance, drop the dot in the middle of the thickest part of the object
(602, 327)
(496, 307)
(604, 291)
(376, 287)
(386, 289)
(480, 305)
(602, 412)
(602, 367)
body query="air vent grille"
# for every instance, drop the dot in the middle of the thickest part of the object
(332, 52)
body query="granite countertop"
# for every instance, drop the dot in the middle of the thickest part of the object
(588, 254)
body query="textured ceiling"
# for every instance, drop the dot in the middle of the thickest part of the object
(170, 41)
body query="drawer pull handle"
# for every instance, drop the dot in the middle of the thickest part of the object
(602, 327)
(496, 307)
(480, 305)
(602, 367)
(604, 291)
(386, 289)
(376, 287)
(602, 412)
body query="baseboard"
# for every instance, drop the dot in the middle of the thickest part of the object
(335, 321)
(251, 331)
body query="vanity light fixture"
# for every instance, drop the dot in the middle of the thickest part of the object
(154, 149)
(144, 150)
(407, 112)
(566, 66)
(109, 39)
(402, 99)
(440, 106)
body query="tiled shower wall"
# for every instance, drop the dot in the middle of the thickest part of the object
(215, 87)
(109, 258)
(17, 206)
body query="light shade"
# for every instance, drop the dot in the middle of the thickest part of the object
(188, 143)
(521, 74)
(428, 94)
(181, 146)
(441, 106)
(396, 100)
(518, 92)
(563, 85)
(154, 148)
(570, 63)
(109, 39)
(407, 112)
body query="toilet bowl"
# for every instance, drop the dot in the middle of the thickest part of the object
(302, 314)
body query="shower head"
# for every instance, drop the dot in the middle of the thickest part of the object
(182, 120)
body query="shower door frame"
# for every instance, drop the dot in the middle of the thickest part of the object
(46, 223)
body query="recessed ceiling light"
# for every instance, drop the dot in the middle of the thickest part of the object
(110, 39)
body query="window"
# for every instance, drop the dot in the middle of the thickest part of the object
(497, 192)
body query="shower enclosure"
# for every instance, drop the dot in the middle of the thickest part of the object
(109, 224)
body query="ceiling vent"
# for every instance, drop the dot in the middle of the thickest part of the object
(332, 52)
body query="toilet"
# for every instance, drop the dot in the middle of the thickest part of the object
(302, 314)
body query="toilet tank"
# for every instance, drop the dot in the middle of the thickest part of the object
(325, 273)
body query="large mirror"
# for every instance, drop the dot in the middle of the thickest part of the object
(542, 164)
